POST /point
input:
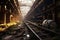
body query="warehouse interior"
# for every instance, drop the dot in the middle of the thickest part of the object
(29, 20)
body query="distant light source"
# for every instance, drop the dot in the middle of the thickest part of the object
(5, 7)
(28, 35)
(34, 0)
(25, 6)
(24, 10)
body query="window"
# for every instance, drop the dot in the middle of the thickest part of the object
(25, 6)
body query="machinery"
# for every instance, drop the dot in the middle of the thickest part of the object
(9, 14)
